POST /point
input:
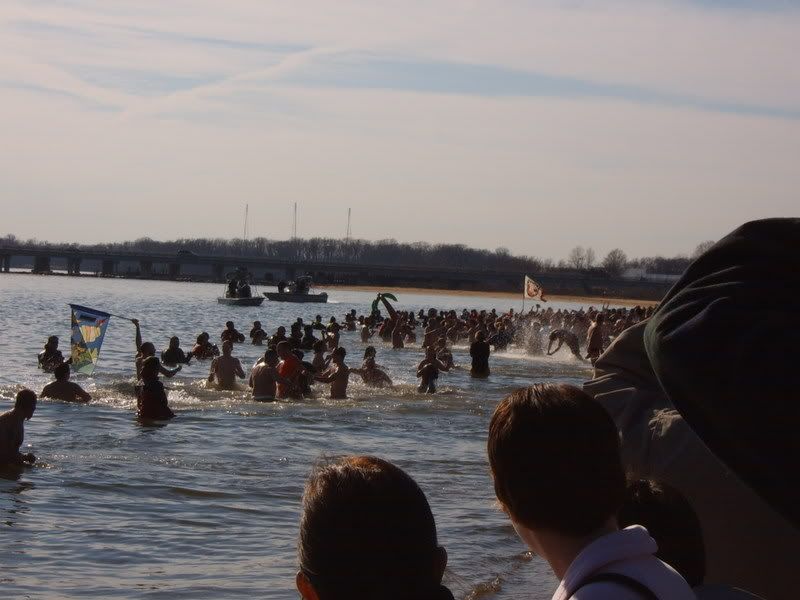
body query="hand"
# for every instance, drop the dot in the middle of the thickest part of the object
(135, 322)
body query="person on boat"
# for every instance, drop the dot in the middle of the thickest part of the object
(226, 368)
(233, 286)
(204, 349)
(50, 357)
(338, 375)
(151, 397)
(562, 336)
(428, 371)
(64, 389)
(174, 354)
(257, 334)
(289, 369)
(243, 289)
(12, 430)
(480, 350)
(145, 350)
(230, 334)
(264, 378)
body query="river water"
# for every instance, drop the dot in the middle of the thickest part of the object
(207, 506)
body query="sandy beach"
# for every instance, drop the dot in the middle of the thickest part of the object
(587, 300)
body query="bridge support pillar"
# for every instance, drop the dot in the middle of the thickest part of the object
(218, 272)
(146, 267)
(41, 264)
(5, 263)
(108, 267)
(290, 273)
(174, 269)
(73, 266)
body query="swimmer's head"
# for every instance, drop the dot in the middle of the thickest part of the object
(200, 339)
(229, 324)
(147, 349)
(25, 402)
(61, 372)
(174, 342)
(52, 342)
(369, 351)
(256, 324)
(205, 335)
(281, 330)
(271, 357)
(339, 353)
(283, 349)
(227, 348)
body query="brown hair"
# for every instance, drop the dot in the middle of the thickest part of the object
(555, 458)
(367, 531)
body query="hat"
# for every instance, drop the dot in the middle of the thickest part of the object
(724, 346)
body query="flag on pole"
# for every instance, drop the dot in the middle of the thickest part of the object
(533, 290)
(88, 329)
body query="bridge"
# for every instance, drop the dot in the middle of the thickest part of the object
(189, 266)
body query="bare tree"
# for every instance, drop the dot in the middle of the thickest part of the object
(589, 257)
(702, 248)
(615, 261)
(576, 258)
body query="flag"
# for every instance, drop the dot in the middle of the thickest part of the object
(88, 329)
(533, 290)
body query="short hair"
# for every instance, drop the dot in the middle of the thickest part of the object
(672, 522)
(555, 457)
(228, 323)
(61, 371)
(270, 354)
(340, 351)
(367, 531)
(25, 397)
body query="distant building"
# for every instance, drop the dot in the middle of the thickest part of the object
(641, 274)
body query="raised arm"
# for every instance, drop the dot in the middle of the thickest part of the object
(239, 370)
(138, 334)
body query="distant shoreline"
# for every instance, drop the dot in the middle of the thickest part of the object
(588, 300)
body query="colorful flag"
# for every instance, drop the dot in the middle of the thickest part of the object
(88, 329)
(533, 290)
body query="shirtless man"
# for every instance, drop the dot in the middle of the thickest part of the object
(480, 350)
(144, 350)
(257, 334)
(338, 375)
(204, 349)
(231, 334)
(264, 378)
(595, 338)
(564, 337)
(151, 398)
(428, 370)
(64, 389)
(289, 368)
(225, 369)
(372, 375)
(12, 430)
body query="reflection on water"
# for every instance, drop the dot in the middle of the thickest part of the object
(207, 506)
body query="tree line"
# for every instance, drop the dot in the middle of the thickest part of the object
(384, 252)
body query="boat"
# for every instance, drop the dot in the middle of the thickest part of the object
(296, 291)
(289, 297)
(252, 301)
(238, 290)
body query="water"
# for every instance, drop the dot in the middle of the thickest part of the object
(207, 506)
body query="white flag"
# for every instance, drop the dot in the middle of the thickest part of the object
(533, 290)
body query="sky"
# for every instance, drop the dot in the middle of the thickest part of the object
(532, 125)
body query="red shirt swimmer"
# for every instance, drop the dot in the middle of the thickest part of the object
(289, 368)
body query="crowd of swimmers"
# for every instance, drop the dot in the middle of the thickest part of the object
(670, 475)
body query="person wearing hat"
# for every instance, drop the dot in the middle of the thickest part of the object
(704, 395)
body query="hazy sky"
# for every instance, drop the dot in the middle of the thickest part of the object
(535, 125)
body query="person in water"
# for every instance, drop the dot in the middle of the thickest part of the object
(372, 375)
(64, 389)
(562, 336)
(204, 349)
(230, 334)
(174, 355)
(480, 350)
(257, 334)
(289, 368)
(595, 339)
(428, 371)
(338, 375)
(264, 378)
(225, 369)
(12, 430)
(367, 532)
(563, 492)
(151, 401)
(320, 362)
(50, 357)
(145, 350)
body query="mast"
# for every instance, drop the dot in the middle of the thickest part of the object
(246, 215)
(294, 223)
(349, 232)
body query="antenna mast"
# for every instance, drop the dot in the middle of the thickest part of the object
(349, 232)
(246, 214)
(294, 223)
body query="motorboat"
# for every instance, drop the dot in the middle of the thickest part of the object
(296, 291)
(239, 290)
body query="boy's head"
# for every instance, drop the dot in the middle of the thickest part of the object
(271, 357)
(25, 402)
(61, 372)
(555, 459)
